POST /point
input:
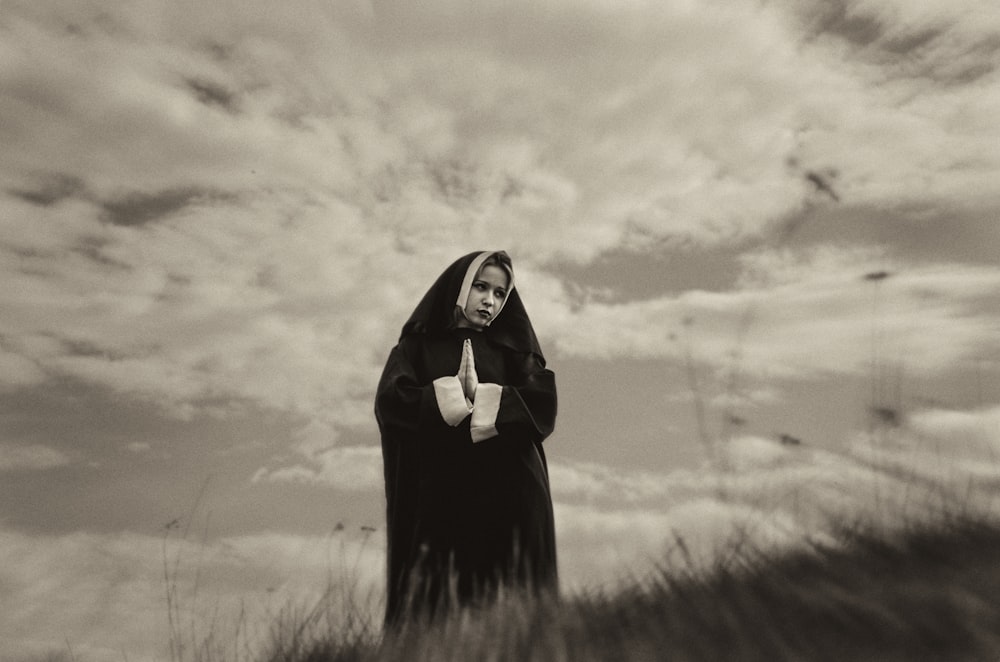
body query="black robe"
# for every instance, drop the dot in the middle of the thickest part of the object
(465, 519)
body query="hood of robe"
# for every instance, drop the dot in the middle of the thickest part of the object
(436, 311)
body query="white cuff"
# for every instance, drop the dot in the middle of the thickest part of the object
(484, 414)
(451, 400)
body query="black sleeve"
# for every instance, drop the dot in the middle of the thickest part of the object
(403, 406)
(528, 404)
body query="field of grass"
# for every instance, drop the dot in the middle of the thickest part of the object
(929, 592)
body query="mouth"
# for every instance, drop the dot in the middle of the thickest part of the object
(485, 314)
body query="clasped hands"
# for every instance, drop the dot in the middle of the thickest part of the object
(455, 407)
(467, 376)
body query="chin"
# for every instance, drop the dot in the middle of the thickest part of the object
(477, 325)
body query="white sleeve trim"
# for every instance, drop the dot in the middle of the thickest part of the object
(451, 400)
(484, 414)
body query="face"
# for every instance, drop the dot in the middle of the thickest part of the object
(489, 289)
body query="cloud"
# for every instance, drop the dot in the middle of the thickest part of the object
(142, 208)
(599, 483)
(80, 586)
(318, 459)
(49, 188)
(32, 457)
(209, 207)
(968, 431)
(616, 534)
(105, 595)
(18, 371)
(909, 40)
(760, 495)
(799, 316)
(354, 468)
(602, 547)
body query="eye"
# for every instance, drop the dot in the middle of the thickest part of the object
(500, 294)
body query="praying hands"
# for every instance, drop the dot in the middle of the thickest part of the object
(467, 376)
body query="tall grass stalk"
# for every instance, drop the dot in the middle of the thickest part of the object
(924, 592)
(343, 614)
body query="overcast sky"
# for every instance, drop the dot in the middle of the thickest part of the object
(731, 223)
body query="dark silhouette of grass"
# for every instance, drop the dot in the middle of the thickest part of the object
(927, 592)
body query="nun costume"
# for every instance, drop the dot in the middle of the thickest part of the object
(463, 405)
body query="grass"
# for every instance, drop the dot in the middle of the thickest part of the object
(928, 592)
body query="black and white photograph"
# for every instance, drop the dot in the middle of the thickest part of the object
(550, 330)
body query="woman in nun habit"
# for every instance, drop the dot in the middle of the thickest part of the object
(463, 405)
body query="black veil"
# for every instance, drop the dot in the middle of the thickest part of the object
(435, 313)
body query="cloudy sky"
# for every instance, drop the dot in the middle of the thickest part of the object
(759, 243)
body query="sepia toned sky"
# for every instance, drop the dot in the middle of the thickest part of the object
(757, 240)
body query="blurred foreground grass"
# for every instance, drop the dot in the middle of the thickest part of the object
(924, 592)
